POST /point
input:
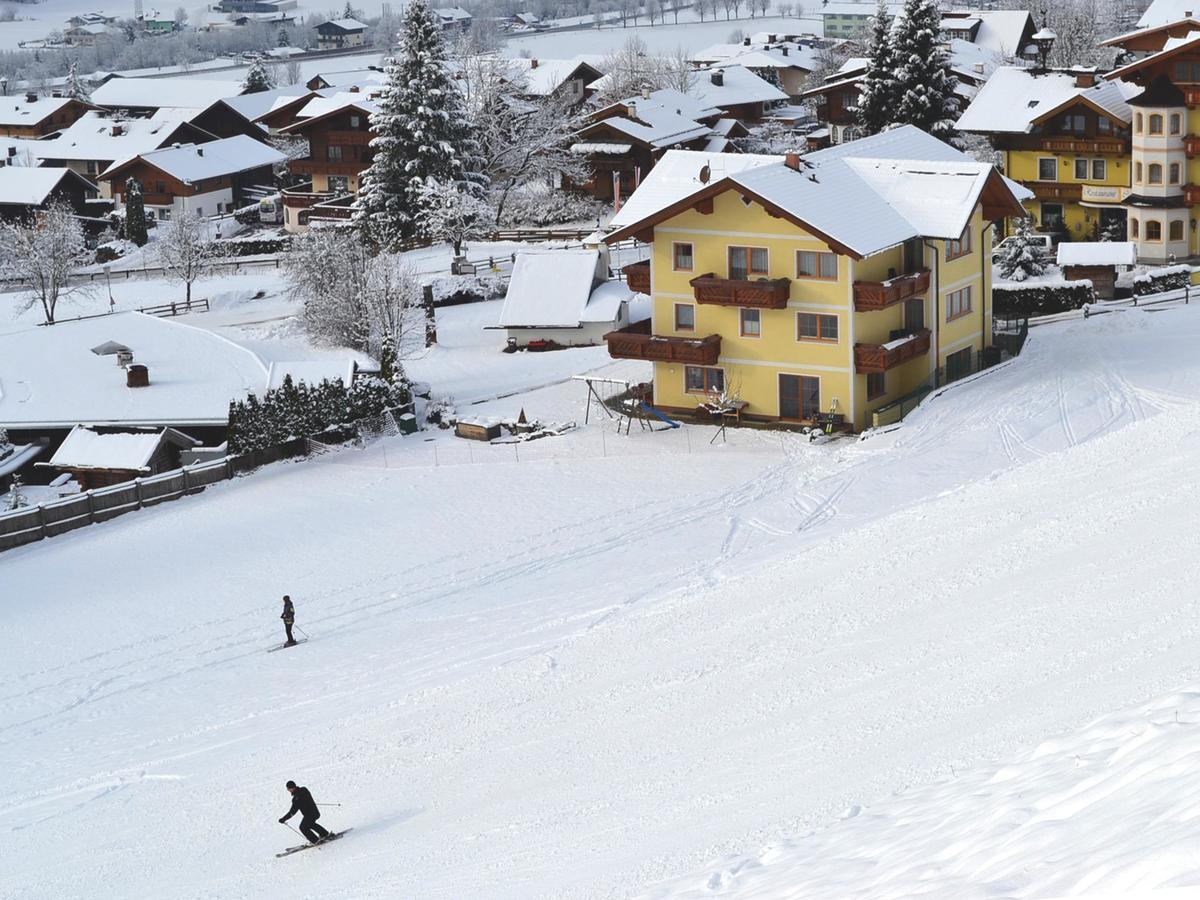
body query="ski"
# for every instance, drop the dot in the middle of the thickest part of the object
(285, 646)
(333, 836)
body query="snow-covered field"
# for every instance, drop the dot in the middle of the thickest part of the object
(601, 666)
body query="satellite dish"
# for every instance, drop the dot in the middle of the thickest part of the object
(705, 174)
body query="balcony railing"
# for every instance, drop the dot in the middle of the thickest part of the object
(872, 295)
(1086, 145)
(764, 294)
(877, 358)
(1191, 194)
(1047, 190)
(637, 276)
(1191, 145)
(1191, 96)
(629, 344)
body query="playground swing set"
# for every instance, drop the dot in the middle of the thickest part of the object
(602, 391)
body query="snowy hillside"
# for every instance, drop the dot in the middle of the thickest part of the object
(595, 665)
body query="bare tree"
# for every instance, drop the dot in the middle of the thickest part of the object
(292, 73)
(42, 253)
(185, 249)
(653, 8)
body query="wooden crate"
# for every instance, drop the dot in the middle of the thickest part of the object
(477, 431)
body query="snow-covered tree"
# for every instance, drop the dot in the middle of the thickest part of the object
(1024, 256)
(631, 68)
(76, 88)
(453, 214)
(349, 12)
(42, 253)
(877, 100)
(16, 499)
(283, 39)
(5, 443)
(421, 131)
(135, 212)
(185, 249)
(924, 85)
(772, 136)
(258, 78)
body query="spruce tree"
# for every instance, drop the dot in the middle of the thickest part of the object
(76, 88)
(135, 213)
(877, 92)
(1023, 257)
(257, 79)
(348, 12)
(421, 131)
(924, 86)
(284, 39)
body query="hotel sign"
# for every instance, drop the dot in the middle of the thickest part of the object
(1102, 193)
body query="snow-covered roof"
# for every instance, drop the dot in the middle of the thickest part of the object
(345, 78)
(1013, 98)
(548, 75)
(1163, 12)
(865, 195)
(19, 456)
(323, 106)
(22, 186)
(346, 24)
(1097, 253)
(49, 377)
(311, 371)
(604, 303)
(195, 162)
(15, 111)
(156, 93)
(847, 8)
(1001, 30)
(603, 147)
(739, 85)
(88, 448)
(92, 136)
(261, 102)
(550, 288)
(758, 56)
(452, 14)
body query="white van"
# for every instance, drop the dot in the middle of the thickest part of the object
(1049, 244)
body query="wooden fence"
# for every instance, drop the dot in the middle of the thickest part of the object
(162, 310)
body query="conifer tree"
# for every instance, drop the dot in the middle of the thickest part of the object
(924, 85)
(257, 79)
(1024, 255)
(284, 39)
(421, 131)
(348, 12)
(135, 213)
(76, 88)
(877, 92)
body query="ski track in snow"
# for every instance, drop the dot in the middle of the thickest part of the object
(584, 677)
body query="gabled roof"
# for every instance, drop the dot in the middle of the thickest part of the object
(1097, 253)
(1163, 12)
(323, 112)
(863, 197)
(16, 111)
(252, 106)
(739, 86)
(451, 13)
(550, 288)
(548, 75)
(343, 24)
(156, 93)
(664, 119)
(92, 137)
(1014, 99)
(1173, 47)
(196, 162)
(101, 448)
(33, 187)
(1187, 23)
(759, 56)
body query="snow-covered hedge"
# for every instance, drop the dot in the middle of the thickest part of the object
(251, 246)
(1042, 299)
(1168, 278)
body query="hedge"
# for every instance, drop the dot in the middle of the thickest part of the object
(252, 247)
(1017, 301)
(1168, 278)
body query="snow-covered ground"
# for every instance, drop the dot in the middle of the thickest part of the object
(597, 665)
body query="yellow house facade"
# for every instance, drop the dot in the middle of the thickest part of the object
(804, 291)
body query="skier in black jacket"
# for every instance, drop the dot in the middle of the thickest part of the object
(289, 619)
(303, 803)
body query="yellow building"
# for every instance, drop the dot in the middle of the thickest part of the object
(1066, 137)
(833, 283)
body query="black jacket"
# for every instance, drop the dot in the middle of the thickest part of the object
(303, 803)
(289, 612)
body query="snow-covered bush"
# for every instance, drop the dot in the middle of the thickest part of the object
(540, 205)
(441, 412)
(1015, 301)
(1024, 257)
(1167, 278)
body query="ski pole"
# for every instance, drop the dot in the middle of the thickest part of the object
(325, 803)
(302, 631)
(289, 826)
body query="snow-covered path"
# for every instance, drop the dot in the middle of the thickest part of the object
(593, 671)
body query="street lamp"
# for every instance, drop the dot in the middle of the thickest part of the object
(1044, 40)
(108, 279)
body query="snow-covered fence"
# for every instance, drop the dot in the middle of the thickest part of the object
(24, 526)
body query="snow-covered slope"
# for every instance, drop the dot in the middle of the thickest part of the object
(593, 666)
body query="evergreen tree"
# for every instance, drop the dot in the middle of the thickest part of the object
(76, 88)
(1024, 256)
(924, 86)
(257, 79)
(421, 131)
(387, 358)
(877, 92)
(349, 12)
(284, 39)
(135, 213)
(16, 499)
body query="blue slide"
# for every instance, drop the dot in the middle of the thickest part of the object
(654, 412)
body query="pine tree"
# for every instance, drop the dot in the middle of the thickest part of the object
(924, 87)
(387, 358)
(76, 88)
(421, 131)
(284, 39)
(257, 79)
(877, 91)
(1024, 255)
(348, 12)
(135, 213)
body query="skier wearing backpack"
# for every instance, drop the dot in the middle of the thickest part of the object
(289, 619)
(303, 803)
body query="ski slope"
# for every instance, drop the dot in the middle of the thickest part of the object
(602, 666)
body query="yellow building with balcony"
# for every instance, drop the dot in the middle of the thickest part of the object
(1067, 137)
(805, 287)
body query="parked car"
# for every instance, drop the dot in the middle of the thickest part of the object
(1049, 244)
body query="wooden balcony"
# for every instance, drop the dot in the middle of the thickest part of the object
(764, 294)
(1086, 145)
(637, 276)
(873, 295)
(630, 344)
(325, 167)
(877, 358)
(1191, 96)
(1191, 146)
(1049, 190)
(1191, 194)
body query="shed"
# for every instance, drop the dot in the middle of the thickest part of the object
(98, 456)
(1098, 262)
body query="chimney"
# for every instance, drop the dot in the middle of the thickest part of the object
(631, 110)
(772, 38)
(117, 130)
(124, 358)
(57, 94)
(745, 42)
(717, 77)
(137, 376)
(792, 161)
(199, 151)
(533, 63)
(978, 68)
(12, 151)
(1085, 79)
(31, 97)
(785, 50)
